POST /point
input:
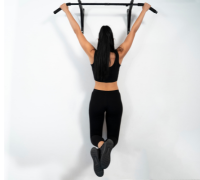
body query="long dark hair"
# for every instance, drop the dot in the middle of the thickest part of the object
(102, 55)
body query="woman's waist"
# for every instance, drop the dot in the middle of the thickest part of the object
(106, 86)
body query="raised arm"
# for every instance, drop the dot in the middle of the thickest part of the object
(125, 46)
(87, 46)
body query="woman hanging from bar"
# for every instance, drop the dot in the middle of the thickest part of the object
(105, 63)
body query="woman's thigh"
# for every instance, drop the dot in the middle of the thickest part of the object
(96, 112)
(114, 112)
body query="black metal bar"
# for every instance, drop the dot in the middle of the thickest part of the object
(129, 16)
(117, 4)
(131, 4)
(120, 4)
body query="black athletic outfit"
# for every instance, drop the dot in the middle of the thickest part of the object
(109, 101)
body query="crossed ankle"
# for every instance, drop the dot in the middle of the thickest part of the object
(100, 144)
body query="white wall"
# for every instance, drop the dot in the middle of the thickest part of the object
(49, 83)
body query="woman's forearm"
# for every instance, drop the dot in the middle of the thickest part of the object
(72, 21)
(138, 22)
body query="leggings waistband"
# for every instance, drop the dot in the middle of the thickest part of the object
(117, 90)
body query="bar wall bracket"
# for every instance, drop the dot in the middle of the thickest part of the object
(82, 12)
(129, 16)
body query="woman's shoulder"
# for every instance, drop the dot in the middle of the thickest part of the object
(119, 51)
(92, 56)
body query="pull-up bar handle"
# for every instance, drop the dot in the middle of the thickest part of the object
(152, 9)
(119, 4)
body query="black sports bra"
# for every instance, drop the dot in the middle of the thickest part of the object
(114, 70)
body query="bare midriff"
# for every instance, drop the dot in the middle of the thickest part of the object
(106, 86)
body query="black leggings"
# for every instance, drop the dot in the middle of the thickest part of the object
(101, 101)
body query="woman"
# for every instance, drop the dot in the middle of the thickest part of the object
(105, 63)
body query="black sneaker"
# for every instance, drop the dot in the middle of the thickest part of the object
(106, 149)
(95, 153)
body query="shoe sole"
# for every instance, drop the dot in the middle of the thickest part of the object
(105, 156)
(96, 162)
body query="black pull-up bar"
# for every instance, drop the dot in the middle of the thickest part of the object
(131, 4)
